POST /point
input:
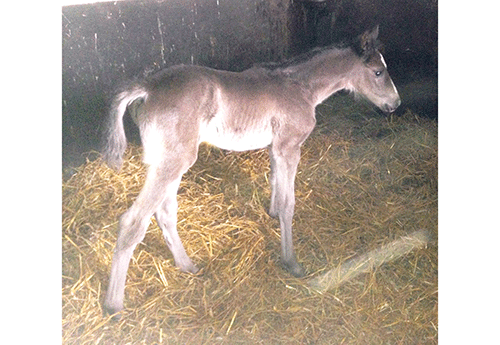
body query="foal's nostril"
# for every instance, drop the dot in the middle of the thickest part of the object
(397, 103)
(390, 107)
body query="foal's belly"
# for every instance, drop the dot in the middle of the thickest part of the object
(236, 138)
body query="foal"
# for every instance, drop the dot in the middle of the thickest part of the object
(178, 108)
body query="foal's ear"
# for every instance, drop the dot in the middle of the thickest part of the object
(368, 41)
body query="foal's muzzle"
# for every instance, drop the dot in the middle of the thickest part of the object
(391, 107)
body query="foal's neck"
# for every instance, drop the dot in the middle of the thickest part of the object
(326, 73)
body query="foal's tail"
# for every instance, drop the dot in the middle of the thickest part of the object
(115, 140)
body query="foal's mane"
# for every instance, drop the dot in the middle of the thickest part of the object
(301, 58)
(304, 57)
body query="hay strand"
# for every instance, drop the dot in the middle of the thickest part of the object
(369, 261)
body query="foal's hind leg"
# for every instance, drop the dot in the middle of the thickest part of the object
(166, 217)
(132, 228)
(161, 184)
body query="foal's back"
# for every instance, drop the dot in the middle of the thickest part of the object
(233, 111)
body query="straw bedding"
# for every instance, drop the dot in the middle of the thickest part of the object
(363, 181)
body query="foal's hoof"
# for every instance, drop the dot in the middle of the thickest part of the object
(273, 214)
(193, 269)
(115, 312)
(295, 269)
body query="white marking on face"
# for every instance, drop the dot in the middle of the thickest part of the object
(385, 65)
(383, 61)
(394, 87)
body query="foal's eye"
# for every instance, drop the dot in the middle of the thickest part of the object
(378, 73)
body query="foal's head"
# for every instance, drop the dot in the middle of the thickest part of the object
(369, 76)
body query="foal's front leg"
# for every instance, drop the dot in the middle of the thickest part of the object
(284, 165)
(273, 208)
